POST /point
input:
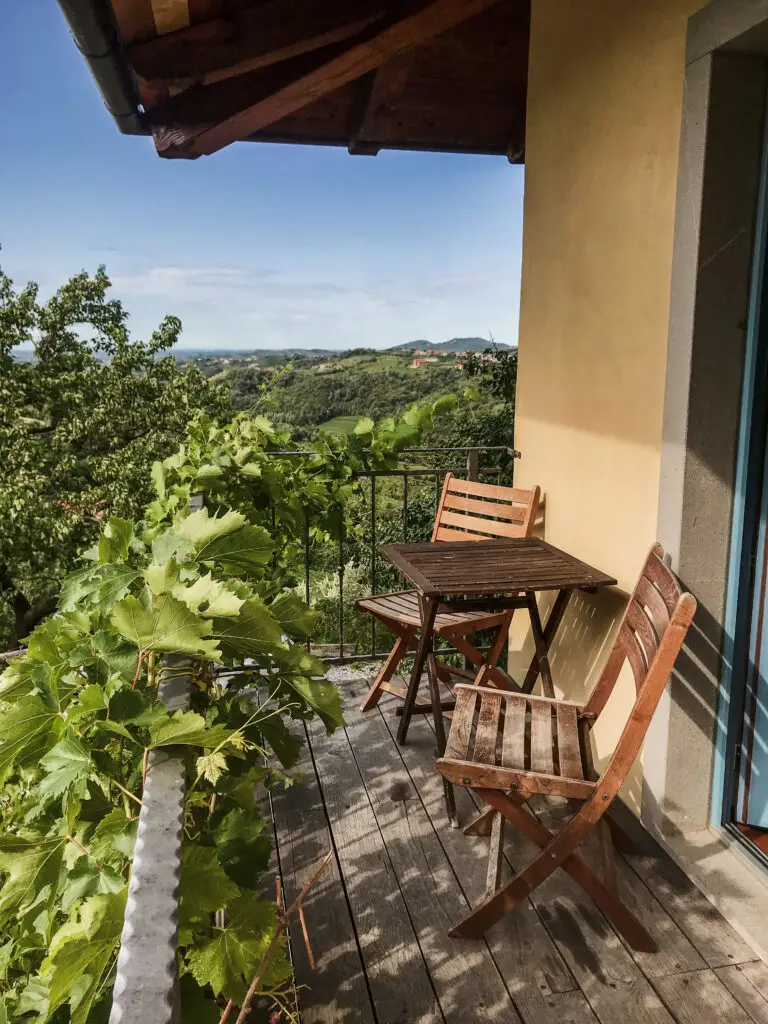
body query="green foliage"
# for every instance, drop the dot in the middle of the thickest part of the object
(363, 384)
(79, 713)
(79, 425)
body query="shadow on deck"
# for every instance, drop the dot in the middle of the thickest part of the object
(379, 917)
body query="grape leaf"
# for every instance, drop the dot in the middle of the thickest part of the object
(42, 643)
(285, 744)
(186, 728)
(253, 634)
(208, 597)
(114, 838)
(245, 552)
(6, 958)
(89, 700)
(322, 696)
(34, 999)
(444, 404)
(294, 616)
(161, 579)
(27, 730)
(30, 862)
(115, 541)
(229, 961)
(241, 788)
(201, 529)
(168, 626)
(170, 545)
(84, 949)
(96, 585)
(243, 848)
(66, 764)
(204, 884)
(364, 425)
(127, 705)
(85, 879)
(113, 655)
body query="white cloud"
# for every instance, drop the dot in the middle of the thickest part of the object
(231, 306)
(177, 280)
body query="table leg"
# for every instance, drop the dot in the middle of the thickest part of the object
(543, 638)
(437, 714)
(428, 612)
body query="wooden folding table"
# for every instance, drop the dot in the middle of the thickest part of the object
(488, 574)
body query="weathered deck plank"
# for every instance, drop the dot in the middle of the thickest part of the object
(466, 979)
(379, 917)
(335, 992)
(718, 943)
(700, 996)
(543, 988)
(397, 976)
(748, 983)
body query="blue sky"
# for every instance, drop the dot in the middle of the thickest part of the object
(257, 246)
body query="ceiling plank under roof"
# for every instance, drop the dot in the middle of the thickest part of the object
(250, 39)
(170, 15)
(374, 105)
(249, 114)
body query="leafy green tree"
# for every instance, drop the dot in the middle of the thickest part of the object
(80, 424)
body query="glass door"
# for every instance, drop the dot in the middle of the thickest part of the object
(745, 804)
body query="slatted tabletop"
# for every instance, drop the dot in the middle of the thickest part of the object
(470, 568)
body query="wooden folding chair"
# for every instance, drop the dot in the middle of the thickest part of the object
(467, 511)
(509, 747)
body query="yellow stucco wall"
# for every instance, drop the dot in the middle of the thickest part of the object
(604, 111)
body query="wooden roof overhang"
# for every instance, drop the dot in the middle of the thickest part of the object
(438, 75)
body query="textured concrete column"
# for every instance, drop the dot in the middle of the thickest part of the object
(721, 146)
(147, 975)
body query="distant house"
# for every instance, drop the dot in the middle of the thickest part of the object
(324, 367)
(420, 361)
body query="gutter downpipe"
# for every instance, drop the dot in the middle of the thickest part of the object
(93, 27)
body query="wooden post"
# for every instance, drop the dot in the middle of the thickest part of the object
(473, 464)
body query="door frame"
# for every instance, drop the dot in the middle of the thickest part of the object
(747, 503)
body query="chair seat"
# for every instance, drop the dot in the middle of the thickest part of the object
(403, 607)
(500, 740)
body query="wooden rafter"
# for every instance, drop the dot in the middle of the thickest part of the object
(366, 53)
(170, 15)
(249, 39)
(373, 106)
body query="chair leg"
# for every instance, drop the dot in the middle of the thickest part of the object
(495, 675)
(495, 855)
(556, 851)
(482, 824)
(388, 669)
(607, 855)
(494, 653)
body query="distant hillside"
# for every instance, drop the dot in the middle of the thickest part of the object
(454, 345)
(188, 354)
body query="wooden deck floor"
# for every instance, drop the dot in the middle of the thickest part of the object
(379, 917)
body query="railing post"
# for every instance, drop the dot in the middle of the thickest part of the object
(146, 986)
(147, 981)
(473, 464)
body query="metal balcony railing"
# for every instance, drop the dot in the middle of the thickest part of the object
(469, 461)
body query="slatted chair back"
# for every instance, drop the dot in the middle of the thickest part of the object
(469, 510)
(650, 637)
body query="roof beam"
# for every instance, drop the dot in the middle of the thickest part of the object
(374, 48)
(373, 105)
(249, 39)
(170, 15)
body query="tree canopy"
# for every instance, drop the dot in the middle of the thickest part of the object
(84, 411)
